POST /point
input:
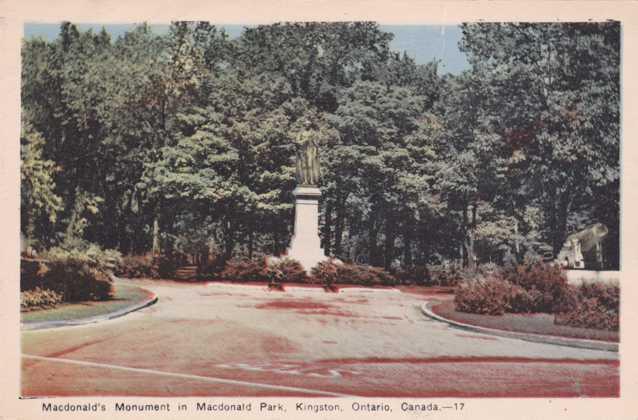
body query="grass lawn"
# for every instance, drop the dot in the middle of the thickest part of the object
(525, 323)
(125, 295)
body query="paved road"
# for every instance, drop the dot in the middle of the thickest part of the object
(235, 340)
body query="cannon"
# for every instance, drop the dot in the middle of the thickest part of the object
(584, 248)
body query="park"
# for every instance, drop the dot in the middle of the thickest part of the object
(301, 210)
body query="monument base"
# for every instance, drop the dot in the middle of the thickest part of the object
(305, 245)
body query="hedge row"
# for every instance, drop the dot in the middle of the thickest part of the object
(289, 270)
(541, 288)
(67, 276)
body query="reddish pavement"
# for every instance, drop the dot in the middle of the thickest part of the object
(229, 340)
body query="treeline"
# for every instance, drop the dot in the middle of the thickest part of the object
(184, 141)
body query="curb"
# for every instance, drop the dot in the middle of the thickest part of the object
(287, 288)
(31, 326)
(531, 337)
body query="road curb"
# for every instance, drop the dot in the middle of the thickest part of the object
(531, 337)
(44, 325)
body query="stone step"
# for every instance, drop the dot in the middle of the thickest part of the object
(186, 272)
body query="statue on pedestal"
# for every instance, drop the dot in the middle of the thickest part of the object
(307, 148)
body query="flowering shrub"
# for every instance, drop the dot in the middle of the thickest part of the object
(291, 270)
(329, 273)
(244, 270)
(598, 306)
(488, 297)
(546, 285)
(326, 273)
(39, 299)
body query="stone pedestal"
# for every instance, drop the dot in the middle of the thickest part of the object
(305, 245)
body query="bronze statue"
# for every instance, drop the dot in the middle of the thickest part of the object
(307, 145)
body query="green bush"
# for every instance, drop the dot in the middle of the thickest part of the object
(135, 266)
(31, 274)
(241, 269)
(105, 260)
(76, 280)
(291, 270)
(39, 299)
(164, 267)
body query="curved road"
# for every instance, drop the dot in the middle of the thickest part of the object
(242, 340)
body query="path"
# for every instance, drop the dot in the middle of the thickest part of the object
(233, 340)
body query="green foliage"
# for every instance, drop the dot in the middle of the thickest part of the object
(39, 202)
(164, 266)
(183, 142)
(76, 278)
(135, 266)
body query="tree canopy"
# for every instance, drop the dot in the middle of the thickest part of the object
(184, 141)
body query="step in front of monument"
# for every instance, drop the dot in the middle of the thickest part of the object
(188, 272)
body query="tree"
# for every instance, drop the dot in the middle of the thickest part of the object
(561, 117)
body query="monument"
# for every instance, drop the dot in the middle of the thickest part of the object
(305, 245)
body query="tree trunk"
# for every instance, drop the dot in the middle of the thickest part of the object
(251, 241)
(407, 247)
(341, 214)
(156, 237)
(389, 242)
(469, 255)
(327, 229)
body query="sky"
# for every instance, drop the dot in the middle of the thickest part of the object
(422, 42)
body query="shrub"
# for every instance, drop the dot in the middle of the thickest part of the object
(135, 266)
(77, 281)
(329, 273)
(79, 274)
(291, 270)
(607, 295)
(164, 266)
(546, 284)
(521, 300)
(211, 269)
(244, 270)
(39, 299)
(598, 306)
(489, 297)
(416, 274)
(31, 274)
(446, 275)
(326, 273)
(105, 260)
